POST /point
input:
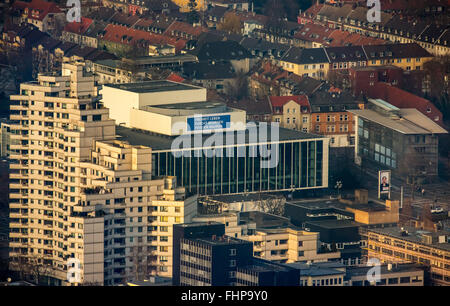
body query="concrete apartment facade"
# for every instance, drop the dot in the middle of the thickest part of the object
(76, 194)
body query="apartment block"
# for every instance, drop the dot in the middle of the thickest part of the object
(81, 201)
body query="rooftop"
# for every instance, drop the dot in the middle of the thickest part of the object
(318, 269)
(384, 269)
(152, 86)
(222, 240)
(260, 265)
(405, 121)
(325, 204)
(416, 236)
(164, 143)
(188, 109)
(333, 224)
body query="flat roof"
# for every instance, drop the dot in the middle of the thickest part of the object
(410, 121)
(415, 236)
(189, 108)
(395, 268)
(153, 86)
(260, 265)
(371, 206)
(219, 240)
(164, 143)
(330, 224)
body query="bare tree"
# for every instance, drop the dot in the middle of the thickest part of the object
(31, 268)
(238, 87)
(273, 205)
(230, 24)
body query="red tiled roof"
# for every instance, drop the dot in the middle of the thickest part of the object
(124, 35)
(37, 9)
(175, 78)
(301, 100)
(314, 9)
(314, 32)
(183, 27)
(268, 70)
(78, 27)
(404, 99)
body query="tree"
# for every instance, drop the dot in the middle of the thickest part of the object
(278, 10)
(231, 23)
(193, 16)
(31, 268)
(273, 205)
(238, 87)
(138, 258)
(438, 73)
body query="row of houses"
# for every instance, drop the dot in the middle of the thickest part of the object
(319, 62)
(433, 36)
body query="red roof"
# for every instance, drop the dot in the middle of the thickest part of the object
(185, 28)
(279, 101)
(37, 9)
(315, 33)
(78, 27)
(124, 35)
(175, 78)
(404, 99)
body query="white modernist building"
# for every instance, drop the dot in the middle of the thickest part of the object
(122, 98)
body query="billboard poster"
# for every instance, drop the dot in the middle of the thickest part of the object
(206, 123)
(384, 183)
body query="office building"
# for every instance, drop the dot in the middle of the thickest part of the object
(400, 245)
(274, 238)
(402, 140)
(300, 162)
(169, 117)
(390, 275)
(265, 273)
(207, 257)
(330, 273)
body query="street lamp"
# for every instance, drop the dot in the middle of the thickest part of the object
(338, 186)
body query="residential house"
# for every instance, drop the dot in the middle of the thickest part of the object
(329, 115)
(46, 16)
(219, 76)
(409, 56)
(292, 112)
(306, 62)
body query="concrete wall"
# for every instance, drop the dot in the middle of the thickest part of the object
(119, 102)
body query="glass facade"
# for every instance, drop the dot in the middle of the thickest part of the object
(300, 166)
(378, 143)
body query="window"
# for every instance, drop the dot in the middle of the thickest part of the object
(232, 252)
(232, 263)
(393, 281)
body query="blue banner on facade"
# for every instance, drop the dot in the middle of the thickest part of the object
(199, 123)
